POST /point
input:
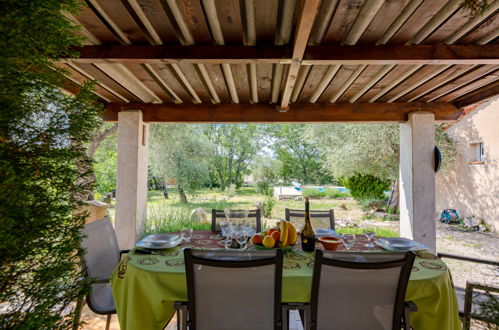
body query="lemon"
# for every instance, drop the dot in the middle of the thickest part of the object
(268, 241)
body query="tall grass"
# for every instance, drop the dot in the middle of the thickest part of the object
(383, 232)
(162, 218)
(327, 193)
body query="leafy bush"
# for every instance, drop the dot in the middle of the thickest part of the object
(372, 204)
(43, 167)
(268, 206)
(366, 186)
(263, 188)
(327, 193)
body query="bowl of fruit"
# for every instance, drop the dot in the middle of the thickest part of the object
(283, 236)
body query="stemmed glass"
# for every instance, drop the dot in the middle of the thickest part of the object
(186, 234)
(242, 239)
(369, 233)
(348, 240)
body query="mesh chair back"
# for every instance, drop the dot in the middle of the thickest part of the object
(101, 257)
(219, 215)
(234, 289)
(323, 216)
(359, 290)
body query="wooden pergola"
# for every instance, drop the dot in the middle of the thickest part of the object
(289, 61)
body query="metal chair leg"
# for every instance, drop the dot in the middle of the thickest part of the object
(108, 321)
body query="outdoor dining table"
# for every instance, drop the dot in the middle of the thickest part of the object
(146, 286)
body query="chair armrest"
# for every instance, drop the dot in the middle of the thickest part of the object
(99, 280)
(124, 251)
(410, 306)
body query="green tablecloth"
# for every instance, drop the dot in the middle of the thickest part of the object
(145, 287)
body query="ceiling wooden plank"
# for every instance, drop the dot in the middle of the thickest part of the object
(479, 95)
(470, 87)
(303, 113)
(307, 14)
(462, 80)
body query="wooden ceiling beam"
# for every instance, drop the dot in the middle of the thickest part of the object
(313, 55)
(304, 27)
(265, 113)
(396, 54)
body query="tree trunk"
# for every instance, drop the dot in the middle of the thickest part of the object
(393, 202)
(182, 195)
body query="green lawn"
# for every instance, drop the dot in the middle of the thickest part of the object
(166, 215)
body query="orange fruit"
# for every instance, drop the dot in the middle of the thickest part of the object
(257, 239)
(268, 241)
(271, 230)
(276, 235)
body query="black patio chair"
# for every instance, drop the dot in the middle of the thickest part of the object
(217, 215)
(232, 290)
(328, 215)
(474, 292)
(360, 290)
(101, 257)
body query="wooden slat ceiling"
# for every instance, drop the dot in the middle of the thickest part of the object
(288, 52)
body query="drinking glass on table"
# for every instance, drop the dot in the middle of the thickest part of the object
(348, 240)
(242, 238)
(186, 234)
(369, 233)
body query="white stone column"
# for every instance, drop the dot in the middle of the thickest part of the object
(417, 178)
(131, 177)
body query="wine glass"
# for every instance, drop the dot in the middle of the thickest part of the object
(186, 234)
(242, 239)
(348, 240)
(369, 233)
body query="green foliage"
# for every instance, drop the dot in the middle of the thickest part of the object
(43, 167)
(181, 153)
(383, 232)
(327, 193)
(162, 218)
(263, 188)
(300, 157)
(268, 206)
(266, 172)
(365, 186)
(368, 148)
(235, 146)
(489, 311)
(372, 204)
(105, 159)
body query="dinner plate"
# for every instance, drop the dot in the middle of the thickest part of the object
(159, 241)
(400, 244)
(326, 232)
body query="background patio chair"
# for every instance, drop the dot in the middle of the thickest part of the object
(218, 215)
(474, 292)
(233, 289)
(294, 215)
(101, 257)
(360, 290)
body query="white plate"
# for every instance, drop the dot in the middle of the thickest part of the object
(400, 244)
(159, 241)
(320, 232)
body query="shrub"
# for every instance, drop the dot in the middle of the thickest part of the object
(366, 186)
(268, 206)
(43, 167)
(263, 188)
(373, 204)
